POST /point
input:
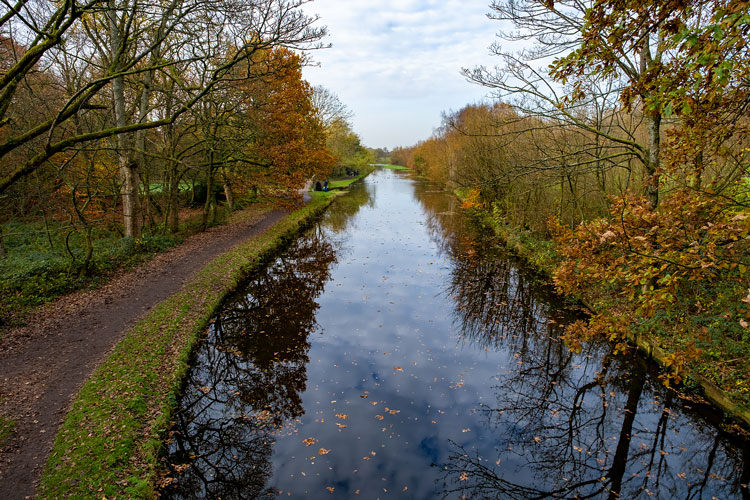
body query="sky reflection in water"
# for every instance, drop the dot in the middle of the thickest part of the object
(388, 354)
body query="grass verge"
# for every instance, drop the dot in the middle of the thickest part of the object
(345, 182)
(393, 167)
(110, 442)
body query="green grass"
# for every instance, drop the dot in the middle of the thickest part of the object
(35, 272)
(158, 188)
(110, 442)
(393, 167)
(6, 428)
(343, 183)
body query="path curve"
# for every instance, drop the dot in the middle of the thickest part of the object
(44, 364)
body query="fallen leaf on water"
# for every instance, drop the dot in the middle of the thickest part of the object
(323, 451)
(464, 477)
(341, 426)
(330, 489)
(398, 368)
(310, 441)
(342, 416)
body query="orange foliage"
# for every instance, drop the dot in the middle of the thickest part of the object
(290, 139)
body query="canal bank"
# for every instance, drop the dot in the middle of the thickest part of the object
(391, 352)
(541, 256)
(110, 441)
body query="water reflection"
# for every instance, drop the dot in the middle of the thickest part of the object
(249, 377)
(594, 426)
(391, 353)
(360, 195)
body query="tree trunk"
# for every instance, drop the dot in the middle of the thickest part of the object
(209, 190)
(131, 212)
(697, 178)
(653, 120)
(89, 252)
(652, 166)
(148, 216)
(228, 193)
(173, 219)
(128, 167)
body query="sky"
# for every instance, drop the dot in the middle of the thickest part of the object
(396, 63)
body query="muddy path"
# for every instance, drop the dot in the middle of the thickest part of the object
(44, 364)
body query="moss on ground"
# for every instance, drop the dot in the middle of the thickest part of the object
(6, 428)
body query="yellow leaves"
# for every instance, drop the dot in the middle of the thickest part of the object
(330, 489)
(473, 200)
(310, 441)
(342, 416)
(323, 451)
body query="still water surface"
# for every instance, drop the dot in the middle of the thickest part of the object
(389, 353)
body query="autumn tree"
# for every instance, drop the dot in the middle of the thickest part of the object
(573, 93)
(287, 143)
(134, 41)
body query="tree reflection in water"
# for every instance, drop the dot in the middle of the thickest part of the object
(248, 379)
(568, 425)
(588, 425)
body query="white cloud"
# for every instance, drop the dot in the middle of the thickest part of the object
(396, 63)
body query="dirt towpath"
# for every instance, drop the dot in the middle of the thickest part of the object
(44, 364)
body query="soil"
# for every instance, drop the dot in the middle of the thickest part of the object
(44, 363)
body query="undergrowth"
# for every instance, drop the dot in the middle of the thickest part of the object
(43, 263)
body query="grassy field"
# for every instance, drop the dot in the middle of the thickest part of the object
(43, 263)
(110, 442)
(393, 167)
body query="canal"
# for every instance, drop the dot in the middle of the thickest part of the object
(391, 353)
